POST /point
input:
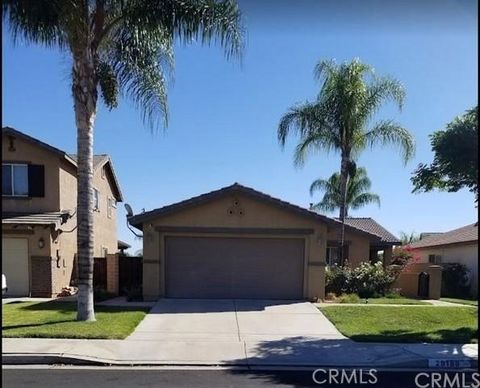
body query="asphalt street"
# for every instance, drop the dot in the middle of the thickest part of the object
(60, 376)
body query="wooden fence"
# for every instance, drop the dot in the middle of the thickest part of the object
(130, 273)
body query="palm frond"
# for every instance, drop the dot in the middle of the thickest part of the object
(40, 21)
(364, 199)
(387, 132)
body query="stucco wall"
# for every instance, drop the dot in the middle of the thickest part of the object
(466, 254)
(256, 214)
(31, 154)
(105, 228)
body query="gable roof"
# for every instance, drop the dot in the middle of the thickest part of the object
(9, 131)
(98, 160)
(371, 226)
(465, 234)
(237, 188)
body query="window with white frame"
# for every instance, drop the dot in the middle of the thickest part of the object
(15, 179)
(96, 200)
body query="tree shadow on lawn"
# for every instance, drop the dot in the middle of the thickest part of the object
(462, 335)
(69, 307)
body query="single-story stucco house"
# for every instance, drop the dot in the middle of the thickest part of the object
(237, 242)
(455, 246)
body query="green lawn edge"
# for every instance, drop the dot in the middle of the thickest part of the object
(58, 320)
(405, 324)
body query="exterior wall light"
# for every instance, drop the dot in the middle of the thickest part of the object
(41, 242)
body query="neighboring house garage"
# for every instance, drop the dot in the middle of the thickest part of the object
(16, 266)
(235, 242)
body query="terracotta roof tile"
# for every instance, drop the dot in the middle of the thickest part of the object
(371, 226)
(468, 233)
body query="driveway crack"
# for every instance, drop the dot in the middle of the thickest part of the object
(236, 319)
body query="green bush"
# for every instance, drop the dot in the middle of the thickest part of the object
(455, 283)
(367, 280)
(348, 298)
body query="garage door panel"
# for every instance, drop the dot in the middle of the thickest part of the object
(253, 268)
(15, 266)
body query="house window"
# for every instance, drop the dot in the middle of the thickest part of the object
(96, 202)
(15, 180)
(434, 259)
(333, 255)
(109, 207)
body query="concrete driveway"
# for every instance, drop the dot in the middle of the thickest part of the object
(240, 332)
(233, 320)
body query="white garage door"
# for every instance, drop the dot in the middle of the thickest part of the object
(15, 266)
(250, 268)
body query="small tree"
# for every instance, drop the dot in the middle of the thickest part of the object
(455, 164)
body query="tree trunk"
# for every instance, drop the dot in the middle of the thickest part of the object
(84, 90)
(343, 205)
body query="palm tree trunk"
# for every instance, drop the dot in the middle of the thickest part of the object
(84, 90)
(343, 206)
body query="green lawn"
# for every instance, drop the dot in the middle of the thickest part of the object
(405, 323)
(461, 301)
(57, 320)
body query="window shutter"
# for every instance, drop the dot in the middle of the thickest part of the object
(36, 180)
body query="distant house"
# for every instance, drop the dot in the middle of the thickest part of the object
(39, 199)
(455, 246)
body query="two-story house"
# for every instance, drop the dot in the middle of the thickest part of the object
(39, 199)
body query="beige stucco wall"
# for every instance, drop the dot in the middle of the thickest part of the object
(358, 246)
(29, 153)
(60, 195)
(407, 282)
(105, 228)
(256, 214)
(466, 254)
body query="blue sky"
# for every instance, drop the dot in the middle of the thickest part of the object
(224, 115)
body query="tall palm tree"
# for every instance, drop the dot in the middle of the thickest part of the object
(340, 118)
(118, 46)
(357, 192)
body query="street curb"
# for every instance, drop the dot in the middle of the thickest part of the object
(56, 359)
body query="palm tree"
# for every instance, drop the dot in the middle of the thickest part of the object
(357, 192)
(118, 47)
(409, 238)
(340, 118)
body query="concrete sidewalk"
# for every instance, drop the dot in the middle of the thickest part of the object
(293, 351)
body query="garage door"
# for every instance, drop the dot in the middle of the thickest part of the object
(15, 266)
(250, 268)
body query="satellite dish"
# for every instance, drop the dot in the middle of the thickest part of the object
(129, 210)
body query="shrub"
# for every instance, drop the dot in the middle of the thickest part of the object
(404, 255)
(393, 294)
(367, 280)
(455, 280)
(348, 298)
